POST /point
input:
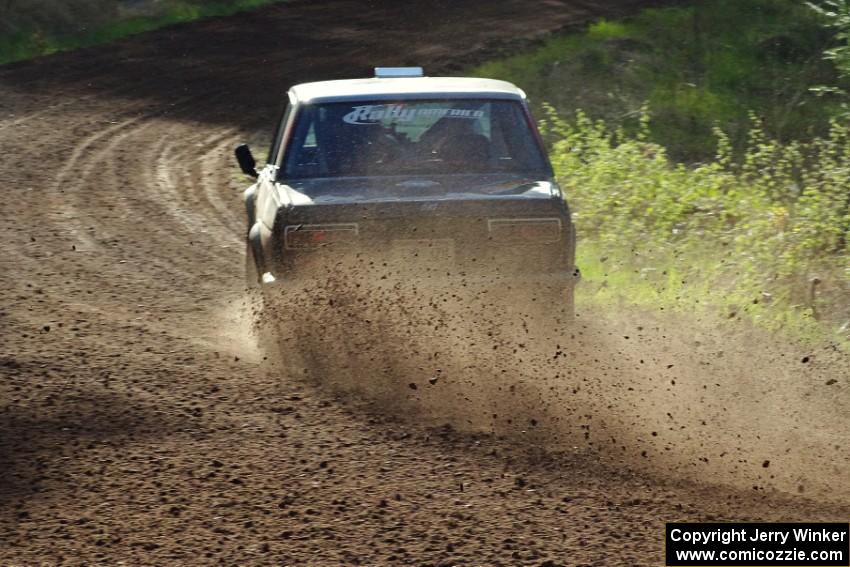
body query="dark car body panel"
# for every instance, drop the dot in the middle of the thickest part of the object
(382, 226)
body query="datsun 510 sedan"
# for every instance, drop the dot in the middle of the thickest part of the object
(423, 177)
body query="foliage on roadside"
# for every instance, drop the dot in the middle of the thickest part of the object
(771, 229)
(836, 16)
(700, 65)
(735, 197)
(32, 28)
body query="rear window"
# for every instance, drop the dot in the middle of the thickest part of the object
(412, 138)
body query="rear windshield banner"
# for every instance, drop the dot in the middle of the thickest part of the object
(373, 113)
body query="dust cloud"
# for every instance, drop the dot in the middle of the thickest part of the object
(673, 396)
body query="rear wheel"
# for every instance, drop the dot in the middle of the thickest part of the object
(252, 275)
(253, 288)
(272, 323)
(257, 306)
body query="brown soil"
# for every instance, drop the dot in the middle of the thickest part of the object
(139, 424)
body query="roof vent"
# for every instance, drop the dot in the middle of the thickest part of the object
(398, 72)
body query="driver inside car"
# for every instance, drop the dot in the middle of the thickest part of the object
(455, 142)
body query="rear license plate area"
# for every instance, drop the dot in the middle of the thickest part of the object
(423, 253)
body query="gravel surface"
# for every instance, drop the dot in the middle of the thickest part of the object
(140, 424)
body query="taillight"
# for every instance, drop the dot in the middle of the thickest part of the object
(525, 231)
(299, 236)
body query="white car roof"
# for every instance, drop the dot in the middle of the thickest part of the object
(408, 87)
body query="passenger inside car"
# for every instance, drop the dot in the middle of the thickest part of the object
(455, 142)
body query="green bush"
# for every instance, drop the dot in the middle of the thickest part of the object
(766, 227)
(758, 223)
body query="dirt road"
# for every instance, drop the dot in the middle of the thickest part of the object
(138, 425)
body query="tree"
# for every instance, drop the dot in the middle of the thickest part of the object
(836, 15)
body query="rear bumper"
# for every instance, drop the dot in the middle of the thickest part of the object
(561, 280)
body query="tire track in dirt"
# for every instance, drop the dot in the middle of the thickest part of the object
(109, 154)
(137, 423)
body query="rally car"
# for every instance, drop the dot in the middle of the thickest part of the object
(434, 178)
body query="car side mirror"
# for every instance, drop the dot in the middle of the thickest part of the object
(246, 160)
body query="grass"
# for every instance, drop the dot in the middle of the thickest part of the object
(697, 67)
(613, 282)
(28, 34)
(765, 237)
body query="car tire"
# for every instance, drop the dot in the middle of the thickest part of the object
(252, 276)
